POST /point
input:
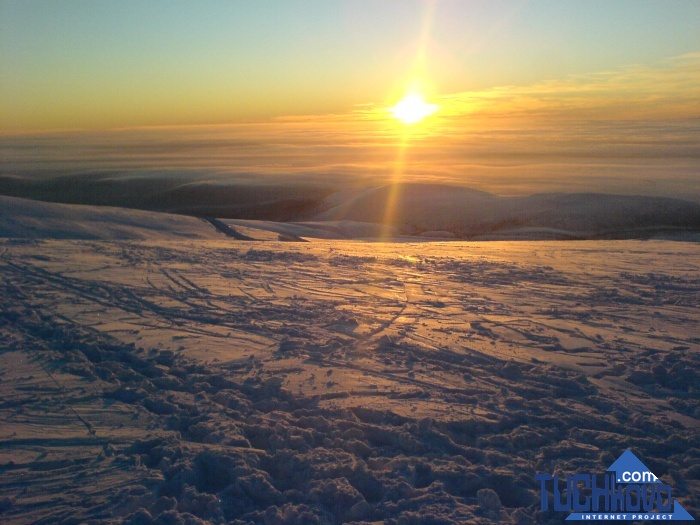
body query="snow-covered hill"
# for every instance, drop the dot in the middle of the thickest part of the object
(22, 218)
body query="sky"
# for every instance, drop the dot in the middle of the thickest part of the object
(556, 91)
(95, 64)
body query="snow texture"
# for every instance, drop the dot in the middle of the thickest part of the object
(200, 381)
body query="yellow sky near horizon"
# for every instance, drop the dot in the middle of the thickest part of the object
(666, 90)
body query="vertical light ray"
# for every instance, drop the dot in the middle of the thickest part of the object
(398, 173)
(394, 186)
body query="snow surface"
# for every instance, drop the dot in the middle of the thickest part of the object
(23, 218)
(209, 381)
(313, 229)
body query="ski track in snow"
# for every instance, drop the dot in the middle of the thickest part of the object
(334, 382)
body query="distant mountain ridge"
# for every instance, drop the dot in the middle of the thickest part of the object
(402, 209)
(169, 192)
(417, 208)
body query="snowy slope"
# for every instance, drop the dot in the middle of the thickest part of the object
(22, 218)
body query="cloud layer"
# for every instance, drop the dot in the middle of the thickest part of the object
(633, 130)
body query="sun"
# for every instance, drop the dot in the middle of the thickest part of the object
(412, 108)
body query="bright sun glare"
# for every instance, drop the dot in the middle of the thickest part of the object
(412, 108)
